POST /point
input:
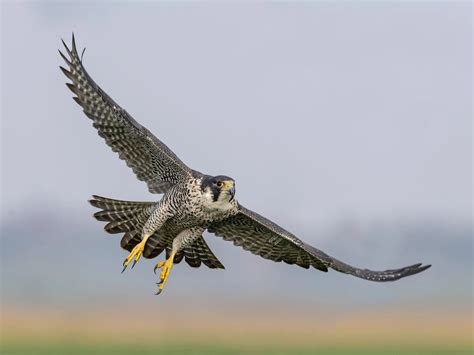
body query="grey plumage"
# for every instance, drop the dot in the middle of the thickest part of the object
(192, 202)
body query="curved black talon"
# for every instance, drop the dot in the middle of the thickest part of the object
(154, 270)
(159, 291)
(159, 282)
(134, 262)
(124, 268)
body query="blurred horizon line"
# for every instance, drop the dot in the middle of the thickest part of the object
(425, 326)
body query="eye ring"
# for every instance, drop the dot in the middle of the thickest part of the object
(219, 184)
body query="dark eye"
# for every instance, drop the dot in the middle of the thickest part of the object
(219, 184)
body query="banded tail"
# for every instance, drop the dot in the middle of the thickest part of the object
(129, 217)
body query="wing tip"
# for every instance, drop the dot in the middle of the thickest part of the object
(414, 269)
(68, 62)
(96, 200)
(72, 52)
(73, 41)
(417, 268)
(379, 276)
(68, 51)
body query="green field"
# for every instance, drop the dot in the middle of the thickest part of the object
(170, 349)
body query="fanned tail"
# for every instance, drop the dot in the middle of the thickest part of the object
(129, 217)
(124, 217)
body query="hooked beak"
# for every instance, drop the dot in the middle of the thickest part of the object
(231, 193)
(230, 188)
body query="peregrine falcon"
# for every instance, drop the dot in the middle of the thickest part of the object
(192, 202)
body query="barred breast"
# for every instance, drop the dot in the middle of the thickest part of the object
(194, 209)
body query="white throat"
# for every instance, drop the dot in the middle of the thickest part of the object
(222, 204)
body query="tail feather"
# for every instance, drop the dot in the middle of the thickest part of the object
(123, 216)
(110, 204)
(117, 215)
(204, 253)
(129, 217)
(116, 227)
(129, 239)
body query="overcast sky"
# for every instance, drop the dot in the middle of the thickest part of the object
(354, 110)
(325, 114)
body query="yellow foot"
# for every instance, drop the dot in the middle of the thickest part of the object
(134, 255)
(166, 267)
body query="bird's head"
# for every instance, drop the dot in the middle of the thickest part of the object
(218, 189)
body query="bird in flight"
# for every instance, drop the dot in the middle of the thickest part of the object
(192, 202)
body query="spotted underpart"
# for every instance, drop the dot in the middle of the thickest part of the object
(192, 202)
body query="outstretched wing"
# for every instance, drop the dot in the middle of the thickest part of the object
(261, 236)
(151, 160)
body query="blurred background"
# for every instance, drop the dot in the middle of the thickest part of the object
(347, 123)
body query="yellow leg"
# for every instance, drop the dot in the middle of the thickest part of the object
(135, 254)
(165, 267)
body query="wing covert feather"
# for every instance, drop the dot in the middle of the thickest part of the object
(260, 236)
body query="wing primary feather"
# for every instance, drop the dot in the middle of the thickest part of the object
(67, 73)
(74, 48)
(255, 233)
(73, 88)
(378, 276)
(78, 100)
(68, 51)
(65, 58)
